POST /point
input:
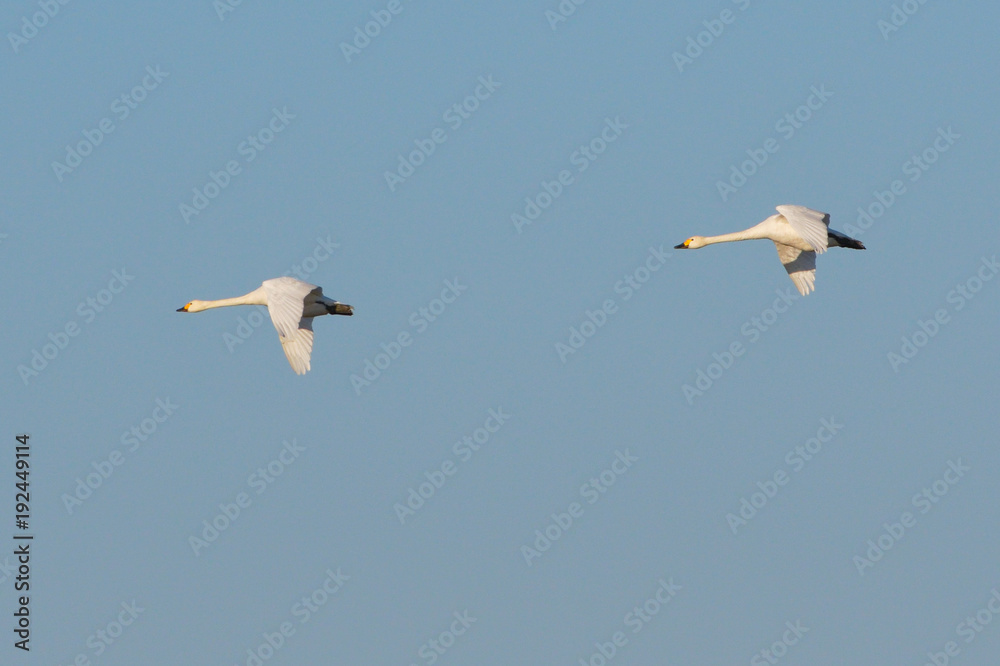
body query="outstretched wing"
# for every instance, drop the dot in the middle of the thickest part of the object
(298, 348)
(801, 266)
(810, 224)
(286, 298)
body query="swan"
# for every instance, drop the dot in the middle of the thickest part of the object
(798, 232)
(292, 305)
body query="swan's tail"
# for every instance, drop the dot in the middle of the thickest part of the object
(837, 239)
(341, 309)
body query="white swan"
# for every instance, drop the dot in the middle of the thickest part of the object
(799, 233)
(292, 305)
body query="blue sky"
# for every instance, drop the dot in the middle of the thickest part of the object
(718, 472)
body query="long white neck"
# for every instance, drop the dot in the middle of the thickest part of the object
(747, 234)
(255, 297)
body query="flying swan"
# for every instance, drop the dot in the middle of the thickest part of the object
(798, 232)
(292, 305)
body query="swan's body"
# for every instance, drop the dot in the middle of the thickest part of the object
(798, 232)
(292, 305)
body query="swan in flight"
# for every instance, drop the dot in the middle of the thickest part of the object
(292, 305)
(798, 232)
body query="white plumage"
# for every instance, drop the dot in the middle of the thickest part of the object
(292, 305)
(798, 232)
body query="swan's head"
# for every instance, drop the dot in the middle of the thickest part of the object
(193, 306)
(692, 243)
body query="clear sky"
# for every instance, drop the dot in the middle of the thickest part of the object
(545, 436)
